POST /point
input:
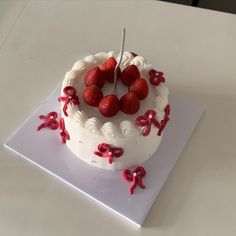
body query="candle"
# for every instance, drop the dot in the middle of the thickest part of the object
(118, 64)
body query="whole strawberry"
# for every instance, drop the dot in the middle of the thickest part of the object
(94, 76)
(140, 88)
(92, 95)
(129, 103)
(108, 68)
(109, 105)
(130, 74)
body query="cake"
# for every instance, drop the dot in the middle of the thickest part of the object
(116, 138)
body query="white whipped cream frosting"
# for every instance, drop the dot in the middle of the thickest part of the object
(119, 132)
(126, 127)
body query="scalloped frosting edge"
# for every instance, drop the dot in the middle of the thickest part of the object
(108, 129)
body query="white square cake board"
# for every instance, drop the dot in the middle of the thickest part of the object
(44, 149)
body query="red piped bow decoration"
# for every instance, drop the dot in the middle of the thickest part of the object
(147, 120)
(165, 120)
(49, 121)
(156, 77)
(70, 97)
(64, 134)
(106, 151)
(135, 177)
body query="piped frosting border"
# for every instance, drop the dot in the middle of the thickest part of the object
(109, 129)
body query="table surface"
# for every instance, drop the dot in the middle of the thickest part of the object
(40, 40)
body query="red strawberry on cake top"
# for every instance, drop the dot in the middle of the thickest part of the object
(108, 68)
(94, 76)
(130, 74)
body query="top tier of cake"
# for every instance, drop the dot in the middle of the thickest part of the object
(121, 124)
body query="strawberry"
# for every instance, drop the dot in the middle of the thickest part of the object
(108, 68)
(129, 103)
(130, 74)
(94, 76)
(92, 95)
(134, 54)
(140, 88)
(109, 105)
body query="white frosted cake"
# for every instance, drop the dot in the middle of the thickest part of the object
(105, 128)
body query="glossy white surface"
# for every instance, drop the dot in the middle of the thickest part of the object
(196, 49)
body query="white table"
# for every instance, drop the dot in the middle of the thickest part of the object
(196, 48)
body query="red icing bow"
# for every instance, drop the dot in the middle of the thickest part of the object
(106, 151)
(165, 120)
(135, 177)
(147, 120)
(64, 134)
(156, 77)
(70, 96)
(49, 121)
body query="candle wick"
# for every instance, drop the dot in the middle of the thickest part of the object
(116, 71)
